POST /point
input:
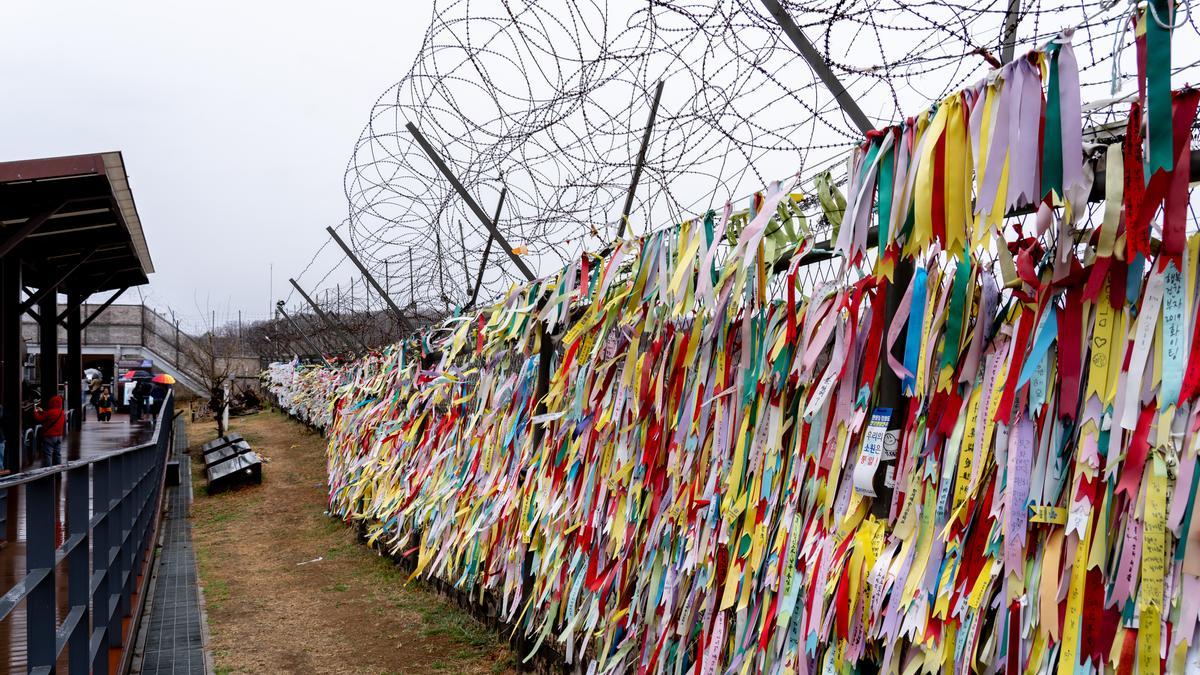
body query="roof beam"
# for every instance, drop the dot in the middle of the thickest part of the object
(27, 200)
(10, 242)
(814, 58)
(69, 230)
(103, 306)
(53, 287)
(65, 213)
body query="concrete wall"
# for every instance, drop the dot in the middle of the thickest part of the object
(139, 326)
(117, 324)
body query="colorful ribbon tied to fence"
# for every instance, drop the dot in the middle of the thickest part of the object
(972, 448)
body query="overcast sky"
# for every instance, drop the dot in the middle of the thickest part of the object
(236, 120)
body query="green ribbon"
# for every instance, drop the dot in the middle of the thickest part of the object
(872, 153)
(1158, 86)
(887, 172)
(954, 323)
(833, 204)
(1052, 170)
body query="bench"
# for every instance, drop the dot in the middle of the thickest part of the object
(228, 461)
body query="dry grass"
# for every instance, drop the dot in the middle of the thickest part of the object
(271, 610)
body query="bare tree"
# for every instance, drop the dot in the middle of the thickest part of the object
(211, 357)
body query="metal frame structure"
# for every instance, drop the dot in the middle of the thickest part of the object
(116, 526)
(337, 328)
(813, 57)
(641, 160)
(370, 279)
(307, 340)
(68, 225)
(466, 197)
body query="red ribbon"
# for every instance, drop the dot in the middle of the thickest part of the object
(938, 207)
(1137, 237)
(1175, 207)
(1070, 320)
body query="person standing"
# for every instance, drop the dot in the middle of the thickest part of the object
(104, 406)
(158, 392)
(53, 421)
(147, 390)
(137, 400)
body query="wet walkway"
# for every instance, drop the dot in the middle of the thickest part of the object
(95, 439)
(172, 638)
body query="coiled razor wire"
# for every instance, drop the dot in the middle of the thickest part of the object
(548, 99)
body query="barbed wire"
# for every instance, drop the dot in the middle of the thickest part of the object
(548, 100)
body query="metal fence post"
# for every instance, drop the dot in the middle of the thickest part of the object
(79, 574)
(101, 545)
(40, 621)
(108, 507)
(125, 491)
(113, 559)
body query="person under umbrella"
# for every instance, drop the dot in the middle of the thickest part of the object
(137, 398)
(158, 392)
(94, 387)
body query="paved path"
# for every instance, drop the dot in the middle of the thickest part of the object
(93, 440)
(173, 627)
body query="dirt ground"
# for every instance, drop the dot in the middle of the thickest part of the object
(289, 590)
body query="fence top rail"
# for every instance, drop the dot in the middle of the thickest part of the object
(39, 473)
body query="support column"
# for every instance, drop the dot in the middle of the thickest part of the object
(11, 352)
(74, 369)
(48, 337)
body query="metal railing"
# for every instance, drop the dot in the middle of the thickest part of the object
(112, 503)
